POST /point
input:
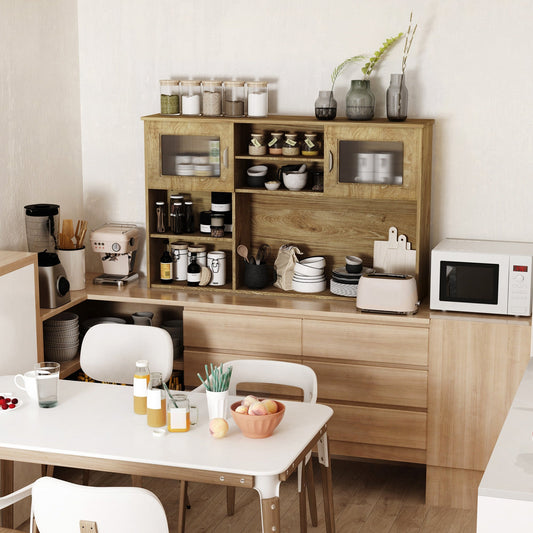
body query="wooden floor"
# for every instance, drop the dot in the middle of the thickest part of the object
(368, 498)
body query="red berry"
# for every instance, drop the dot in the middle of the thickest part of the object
(14, 400)
(1, 397)
(12, 406)
(4, 406)
(8, 400)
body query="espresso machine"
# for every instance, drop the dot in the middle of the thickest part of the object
(116, 244)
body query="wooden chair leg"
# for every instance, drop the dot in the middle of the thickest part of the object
(187, 501)
(181, 508)
(310, 485)
(302, 497)
(230, 500)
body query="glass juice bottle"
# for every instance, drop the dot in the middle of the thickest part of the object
(141, 379)
(155, 401)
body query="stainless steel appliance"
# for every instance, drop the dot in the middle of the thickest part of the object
(54, 288)
(117, 246)
(478, 276)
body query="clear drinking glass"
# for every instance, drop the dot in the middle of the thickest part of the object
(47, 374)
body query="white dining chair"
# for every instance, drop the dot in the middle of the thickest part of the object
(109, 351)
(276, 373)
(58, 507)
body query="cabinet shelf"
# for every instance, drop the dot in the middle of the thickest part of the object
(343, 219)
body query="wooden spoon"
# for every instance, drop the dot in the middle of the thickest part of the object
(242, 250)
(68, 232)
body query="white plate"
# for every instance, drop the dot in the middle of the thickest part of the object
(11, 395)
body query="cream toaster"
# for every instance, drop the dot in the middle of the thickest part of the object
(387, 293)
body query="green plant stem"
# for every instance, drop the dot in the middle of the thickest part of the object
(378, 55)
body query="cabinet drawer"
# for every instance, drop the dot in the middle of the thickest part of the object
(369, 384)
(373, 425)
(250, 333)
(366, 342)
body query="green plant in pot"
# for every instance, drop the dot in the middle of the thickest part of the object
(325, 104)
(360, 100)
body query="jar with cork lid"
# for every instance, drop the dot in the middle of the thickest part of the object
(291, 146)
(257, 98)
(234, 98)
(257, 144)
(170, 97)
(212, 98)
(190, 97)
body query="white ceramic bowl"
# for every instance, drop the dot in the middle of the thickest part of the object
(307, 270)
(315, 261)
(295, 181)
(257, 170)
(272, 185)
(307, 279)
(309, 286)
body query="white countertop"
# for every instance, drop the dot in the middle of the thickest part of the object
(509, 473)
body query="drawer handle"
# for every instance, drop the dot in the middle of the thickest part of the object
(330, 160)
(225, 157)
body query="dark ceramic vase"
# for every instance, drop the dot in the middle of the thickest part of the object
(257, 276)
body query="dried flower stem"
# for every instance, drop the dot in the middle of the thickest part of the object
(408, 42)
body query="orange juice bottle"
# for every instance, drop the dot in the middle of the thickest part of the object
(141, 380)
(155, 401)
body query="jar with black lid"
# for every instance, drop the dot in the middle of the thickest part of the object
(217, 225)
(189, 217)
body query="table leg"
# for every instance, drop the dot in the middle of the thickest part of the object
(268, 489)
(327, 487)
(6, 487)
(230, 501)
(302, 485)
(181, 510)
(310, 487)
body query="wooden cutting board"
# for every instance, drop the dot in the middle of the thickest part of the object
(394, 255)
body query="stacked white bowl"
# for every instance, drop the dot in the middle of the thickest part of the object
(61, 337)
(309, 275)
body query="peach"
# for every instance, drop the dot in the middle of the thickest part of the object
(249, 400)
(242, 409)
(257, 409)
(271, 406)
(218, 427)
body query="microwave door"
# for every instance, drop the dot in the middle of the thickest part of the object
(473, 286)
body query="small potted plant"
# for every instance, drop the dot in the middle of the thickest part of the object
(360, 100)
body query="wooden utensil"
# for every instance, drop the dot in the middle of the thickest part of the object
(242, 250)
(81, 229)
(394, 255)
(68, 232)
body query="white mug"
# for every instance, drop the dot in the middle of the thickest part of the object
(28, 383)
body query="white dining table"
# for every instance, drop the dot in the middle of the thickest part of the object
(93, 427)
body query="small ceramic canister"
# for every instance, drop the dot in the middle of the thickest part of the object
(216, 261)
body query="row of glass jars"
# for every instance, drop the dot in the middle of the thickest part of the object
(214, 98)
(287, 144)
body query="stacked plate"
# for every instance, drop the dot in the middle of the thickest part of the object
(309, 275)
(344, 283)
(61, 337)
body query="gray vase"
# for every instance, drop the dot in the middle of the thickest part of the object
(360, 101)
(397, 98)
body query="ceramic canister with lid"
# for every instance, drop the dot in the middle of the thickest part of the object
(216, 261)
(179, 252)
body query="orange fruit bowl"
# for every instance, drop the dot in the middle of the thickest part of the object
(257, 427)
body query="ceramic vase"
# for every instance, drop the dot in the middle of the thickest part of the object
(360, 101)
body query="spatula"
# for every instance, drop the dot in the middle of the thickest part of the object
(68, 232)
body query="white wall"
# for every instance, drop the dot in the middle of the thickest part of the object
(469, 69)
(40, 146)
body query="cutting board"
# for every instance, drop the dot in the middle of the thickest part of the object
(395, 254)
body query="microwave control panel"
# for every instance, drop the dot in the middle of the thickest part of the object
(520, 287)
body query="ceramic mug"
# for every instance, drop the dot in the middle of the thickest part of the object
(143, 318)
(28, 383)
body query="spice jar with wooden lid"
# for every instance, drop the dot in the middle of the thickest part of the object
(211, 98)
(291, 146)
(190, 97)
(234, 98)
(170, 97)
(257, 98)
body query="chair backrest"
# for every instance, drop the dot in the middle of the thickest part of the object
(58, 507)
(109, 351)
(275, 372)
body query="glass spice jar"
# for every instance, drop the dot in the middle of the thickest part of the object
(291, 146)
(212, 98)
(275, 144)
(257, 98)
(257, 145)
(170, 97)
(190, 97)
(234, 97)
(310, 146)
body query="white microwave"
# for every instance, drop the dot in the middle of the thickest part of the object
(482, 277)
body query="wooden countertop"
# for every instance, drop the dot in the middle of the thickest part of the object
(304, 307)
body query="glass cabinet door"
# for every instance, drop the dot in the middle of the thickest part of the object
(377, 161)
(189, 155)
